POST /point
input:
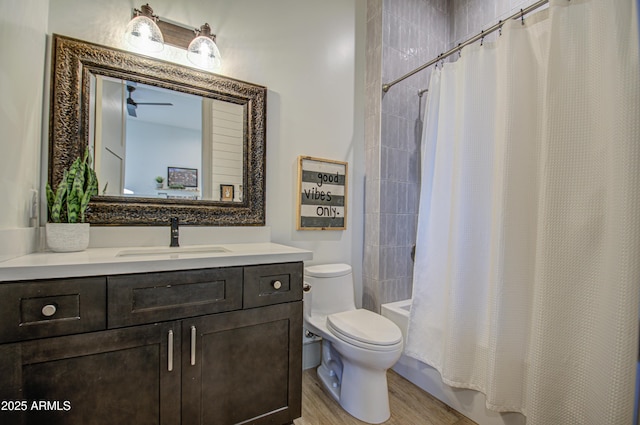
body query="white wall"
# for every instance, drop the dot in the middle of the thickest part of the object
(151, 148)
(310, 56)
(21, 85)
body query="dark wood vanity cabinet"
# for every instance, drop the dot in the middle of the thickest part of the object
(212, 346)
(108, 377)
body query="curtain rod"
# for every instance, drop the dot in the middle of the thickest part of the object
(518, 15)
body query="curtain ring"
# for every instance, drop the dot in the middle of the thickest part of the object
(522, 15)
(482, 38)
(500, 27)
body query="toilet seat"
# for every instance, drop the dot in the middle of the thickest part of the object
(365, 329)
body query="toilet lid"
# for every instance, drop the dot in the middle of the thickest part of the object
(364, 326)
(327, 270)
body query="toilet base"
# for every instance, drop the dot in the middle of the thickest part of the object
(329, 381)
(361, 391)
(365, 394)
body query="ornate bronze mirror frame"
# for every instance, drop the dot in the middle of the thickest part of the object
(76, 62)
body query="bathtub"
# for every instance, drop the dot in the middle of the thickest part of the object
(468, 402)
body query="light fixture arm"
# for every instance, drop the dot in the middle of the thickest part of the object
(145, 10)
(205, 31)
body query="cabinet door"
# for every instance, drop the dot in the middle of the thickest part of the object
(122, 376)
(243, 367)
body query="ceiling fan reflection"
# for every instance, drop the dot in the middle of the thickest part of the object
(132, 105)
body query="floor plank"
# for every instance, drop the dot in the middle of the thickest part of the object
(409, 405)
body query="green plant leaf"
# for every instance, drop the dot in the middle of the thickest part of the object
(73, 200)
(72, 173)
(91, 189)
(57, 210)
(51, 197)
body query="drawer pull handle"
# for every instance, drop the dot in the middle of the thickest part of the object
(170, 353)
(276, 284)
(49, 310)
(193, 345)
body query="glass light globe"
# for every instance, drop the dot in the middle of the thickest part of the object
(143, 34)
(204, 53)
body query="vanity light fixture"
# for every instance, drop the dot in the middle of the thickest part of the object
(149, 33)
(202, 51)
(143, 32)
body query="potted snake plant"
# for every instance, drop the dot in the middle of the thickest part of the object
(67, 229)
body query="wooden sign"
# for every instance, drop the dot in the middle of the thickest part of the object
(322, 194)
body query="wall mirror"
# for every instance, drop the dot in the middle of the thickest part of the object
(146, 120)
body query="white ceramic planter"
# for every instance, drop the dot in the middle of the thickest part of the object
(67, 237)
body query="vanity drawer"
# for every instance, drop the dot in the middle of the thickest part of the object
(44, 308)
(155, 297)
(272, 284)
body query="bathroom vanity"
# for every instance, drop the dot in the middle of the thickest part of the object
(152, 337)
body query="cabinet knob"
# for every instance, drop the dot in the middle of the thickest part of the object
(276, 284)
(306, 287)
(49, 310)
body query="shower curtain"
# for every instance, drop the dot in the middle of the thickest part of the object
(527, 270)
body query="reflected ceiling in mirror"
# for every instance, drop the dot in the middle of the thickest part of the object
(143, 118)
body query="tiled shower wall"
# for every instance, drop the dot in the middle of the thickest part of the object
(372, 129)
(472, 16)
(401, 36)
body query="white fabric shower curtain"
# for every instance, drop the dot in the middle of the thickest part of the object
(527, 271)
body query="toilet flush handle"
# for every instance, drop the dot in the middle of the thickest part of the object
(306, 287)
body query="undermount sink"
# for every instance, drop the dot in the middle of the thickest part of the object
(202, 249)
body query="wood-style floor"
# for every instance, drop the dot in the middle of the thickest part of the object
(409, 405)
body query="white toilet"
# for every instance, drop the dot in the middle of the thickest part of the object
(358, 346)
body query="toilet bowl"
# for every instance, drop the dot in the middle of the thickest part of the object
(358, 345)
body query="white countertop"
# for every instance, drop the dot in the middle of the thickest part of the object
(107, 261)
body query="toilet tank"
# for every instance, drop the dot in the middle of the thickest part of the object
(331, 288)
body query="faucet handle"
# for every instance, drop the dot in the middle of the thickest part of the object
(174, 232)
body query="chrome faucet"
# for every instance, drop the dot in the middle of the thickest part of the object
(175, 233)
